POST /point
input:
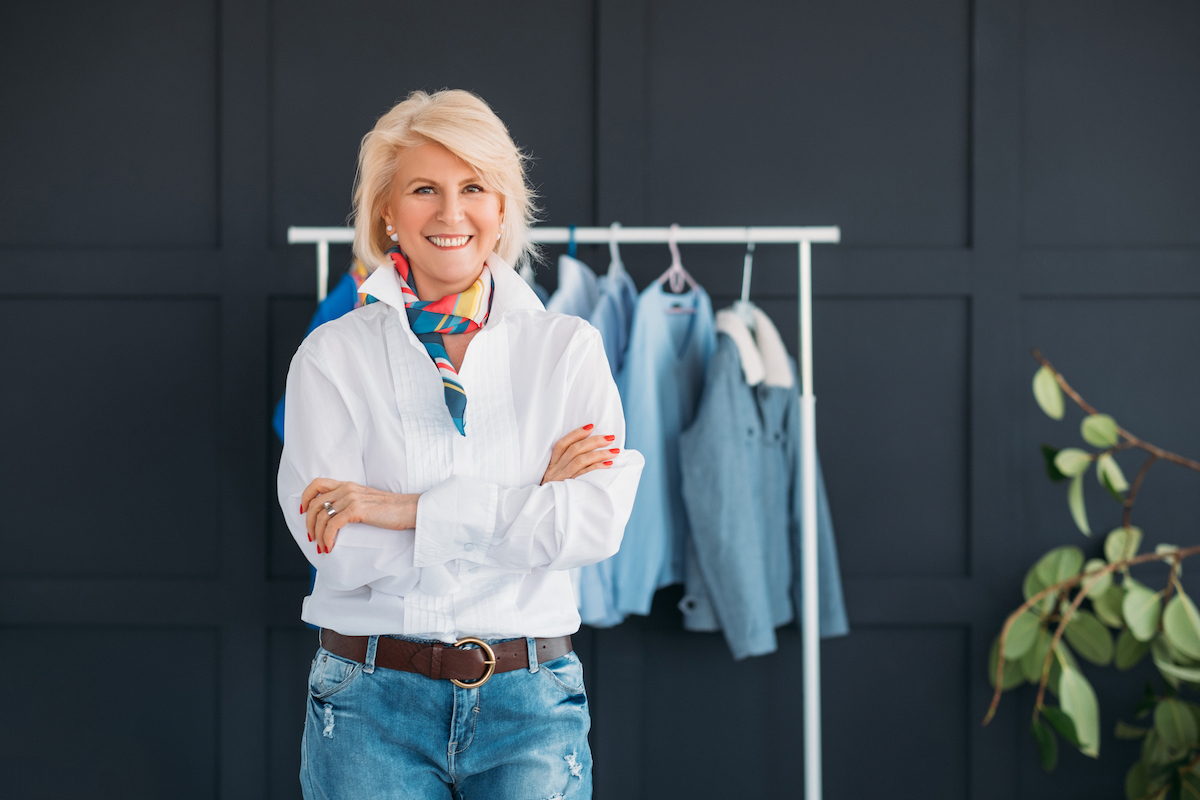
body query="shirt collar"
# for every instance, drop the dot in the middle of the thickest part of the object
(510, 292)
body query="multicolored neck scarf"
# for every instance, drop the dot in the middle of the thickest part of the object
(454, 313)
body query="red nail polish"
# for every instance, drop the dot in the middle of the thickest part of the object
(589, 426)
(301, 509)
(608, 463)
(615, 450)
(318, 548)
(609, 438)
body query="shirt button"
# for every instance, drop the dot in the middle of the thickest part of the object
(468, 547)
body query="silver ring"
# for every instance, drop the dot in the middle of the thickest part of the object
(331, 511)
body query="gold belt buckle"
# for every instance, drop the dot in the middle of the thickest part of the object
(490, 661)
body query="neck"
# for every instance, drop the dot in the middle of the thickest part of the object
(429, 288)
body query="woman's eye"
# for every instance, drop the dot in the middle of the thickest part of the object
(421, 189)
(474, 188)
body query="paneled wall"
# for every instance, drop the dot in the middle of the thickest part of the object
(1005, 175)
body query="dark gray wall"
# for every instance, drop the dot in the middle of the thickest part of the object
(1005, 175)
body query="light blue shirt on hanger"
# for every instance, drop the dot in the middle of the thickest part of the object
(660, 384)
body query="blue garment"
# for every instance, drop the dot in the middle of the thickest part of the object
(338, 302)
(391, 735)
(613, 314)
(660, 385)
(742, 487)
(577, 292)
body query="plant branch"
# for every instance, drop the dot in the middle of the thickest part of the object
(1134, 441)
(1062, 626)
(1058, 587)
(1137, 484)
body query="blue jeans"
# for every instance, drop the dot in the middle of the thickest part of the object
(379, 733)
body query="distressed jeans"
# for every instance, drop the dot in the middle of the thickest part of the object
(379, 733)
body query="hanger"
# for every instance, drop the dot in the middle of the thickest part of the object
(743, 307)
(615, 265)
(676, 277)
(571, 241)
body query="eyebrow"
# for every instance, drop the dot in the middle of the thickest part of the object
(435, 183)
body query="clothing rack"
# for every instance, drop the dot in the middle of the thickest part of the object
(804, 237)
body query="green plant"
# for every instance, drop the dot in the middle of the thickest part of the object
(1041, 639)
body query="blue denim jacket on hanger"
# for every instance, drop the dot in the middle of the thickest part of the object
(742, 488)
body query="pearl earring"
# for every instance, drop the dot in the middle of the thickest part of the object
(395, 237)
(498, 235)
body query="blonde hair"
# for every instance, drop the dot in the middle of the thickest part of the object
(466, 126)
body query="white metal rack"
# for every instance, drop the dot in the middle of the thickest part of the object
(804, 237)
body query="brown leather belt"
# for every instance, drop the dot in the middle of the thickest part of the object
(467, 668)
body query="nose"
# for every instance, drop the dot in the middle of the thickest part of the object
(452, 208)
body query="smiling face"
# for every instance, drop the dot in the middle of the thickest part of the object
(447, 220)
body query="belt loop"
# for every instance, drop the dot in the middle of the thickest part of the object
(369, 661)
(531, 644)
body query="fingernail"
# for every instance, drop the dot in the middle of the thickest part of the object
(615, 450)
(608, 463)
(301, 509)
(589, 426)
(609, 438)
(318, 548)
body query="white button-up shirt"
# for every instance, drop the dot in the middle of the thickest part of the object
(491, 550)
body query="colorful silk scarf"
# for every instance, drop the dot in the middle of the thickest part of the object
(454, 313)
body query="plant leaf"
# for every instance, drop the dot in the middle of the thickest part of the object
(1052, 472)
(1101, 584)
(1048, 393)
(1013, 675)
(1090, 638)
(1035, 657)
(1126, 731)
(1175, 724)
(1076, 504)
(1140, 609)
(1181, 623)
(1155, 750)
(1099, 430)
(1078, 700)
(1108, 607)
(1171, 671)
(1189, 787)
(1108, 472)
(1062, 723)
(1129, 650)
(1021, 635)
(1072, 461)
(1047, 745)
(1059, 564)
(1122, 543)
(1137, 783)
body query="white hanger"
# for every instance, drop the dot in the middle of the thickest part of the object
(676, 277)
(743, 307)
(615, 265)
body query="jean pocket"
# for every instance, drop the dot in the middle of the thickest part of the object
(331, 674)
(566, 671)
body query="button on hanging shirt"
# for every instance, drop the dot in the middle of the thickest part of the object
(491, 548)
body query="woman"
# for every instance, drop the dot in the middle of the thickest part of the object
(452, 449)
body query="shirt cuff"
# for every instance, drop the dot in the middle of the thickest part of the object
(455, 519)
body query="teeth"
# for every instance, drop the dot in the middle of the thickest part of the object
(445, 241)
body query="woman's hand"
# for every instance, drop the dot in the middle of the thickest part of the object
(578, 453)
(353, 503)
